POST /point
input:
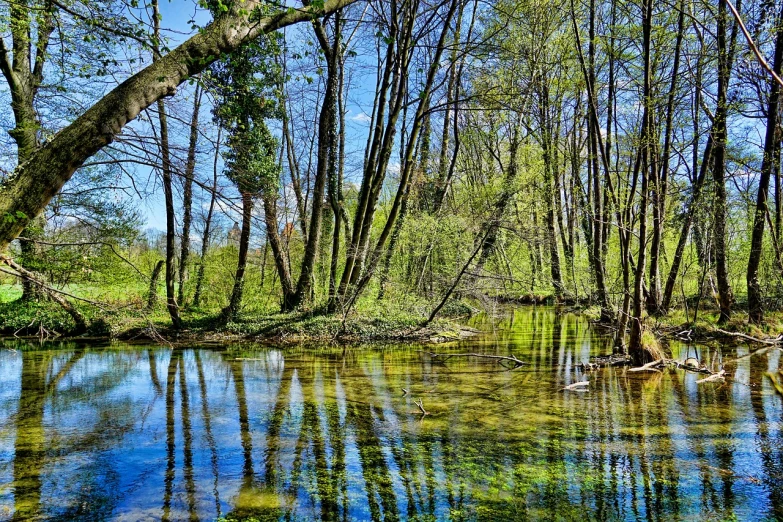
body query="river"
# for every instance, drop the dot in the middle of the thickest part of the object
(145, 432)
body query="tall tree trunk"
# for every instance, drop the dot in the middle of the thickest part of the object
(336, 200)
(24, 76)
(659, 195)
(598, 211)
(725, 58)
(549, 144)
(326, 143)
(165, 154)
(771, 156)
(638, 352)
(187, 195)
(205, 237)
(231, 311)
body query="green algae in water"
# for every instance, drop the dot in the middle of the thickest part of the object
(135, 432)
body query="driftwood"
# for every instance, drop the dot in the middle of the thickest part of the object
(771, 340)
(421, 406)
(515, 363)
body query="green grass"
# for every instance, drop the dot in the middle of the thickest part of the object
(122, 316)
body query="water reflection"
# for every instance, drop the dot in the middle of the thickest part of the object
(149, 433)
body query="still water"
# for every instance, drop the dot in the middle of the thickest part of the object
(136, 432)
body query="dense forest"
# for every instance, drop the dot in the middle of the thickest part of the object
(387, 158)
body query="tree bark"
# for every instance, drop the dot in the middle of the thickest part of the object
(326, 142)
(654, 295)
(637, 351)
(152, 294)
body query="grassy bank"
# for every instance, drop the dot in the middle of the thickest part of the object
(371, 321)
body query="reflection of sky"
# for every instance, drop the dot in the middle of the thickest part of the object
(496, 445)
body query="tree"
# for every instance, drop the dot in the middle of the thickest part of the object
(245, 82)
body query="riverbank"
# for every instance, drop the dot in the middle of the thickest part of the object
(47, 320)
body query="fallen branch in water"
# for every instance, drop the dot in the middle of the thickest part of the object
(653, 366)
(715, 377)
(770, 340)
(421, 407)
(500, 358)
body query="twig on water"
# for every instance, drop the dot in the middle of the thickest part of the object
(515, 363)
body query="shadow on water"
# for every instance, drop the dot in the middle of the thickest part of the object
(331, 433)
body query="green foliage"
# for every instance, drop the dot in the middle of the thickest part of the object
(247, 84)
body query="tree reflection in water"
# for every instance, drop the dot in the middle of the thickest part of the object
(327, 433)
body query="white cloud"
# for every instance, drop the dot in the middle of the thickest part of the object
(361, 117)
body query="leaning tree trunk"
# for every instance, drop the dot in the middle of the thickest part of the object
(26, 193)
(152, 294)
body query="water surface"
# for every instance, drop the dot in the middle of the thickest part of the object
(136, 432)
